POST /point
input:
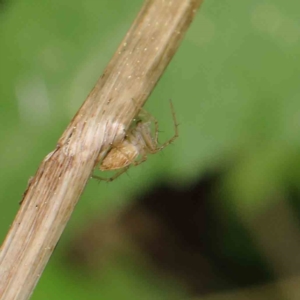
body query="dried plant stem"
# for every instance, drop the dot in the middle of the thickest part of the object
(102, 120)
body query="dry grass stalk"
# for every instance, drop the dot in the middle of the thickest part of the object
(102, 120)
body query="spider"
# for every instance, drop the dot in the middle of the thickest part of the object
(137, 144)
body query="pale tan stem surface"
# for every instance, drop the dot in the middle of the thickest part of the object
(102, 120)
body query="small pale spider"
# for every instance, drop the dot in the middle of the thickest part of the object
(138, 143)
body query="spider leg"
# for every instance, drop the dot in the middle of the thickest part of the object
(138, 162)
(119, 173)
(110, 179)
(173, 138)
(144, 114)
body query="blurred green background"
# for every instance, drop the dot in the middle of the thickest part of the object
(235, 86)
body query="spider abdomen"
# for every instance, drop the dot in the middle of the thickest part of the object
(120, 156)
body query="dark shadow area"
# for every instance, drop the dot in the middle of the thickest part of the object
(181, 234)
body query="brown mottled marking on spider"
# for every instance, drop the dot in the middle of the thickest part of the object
(138, 143)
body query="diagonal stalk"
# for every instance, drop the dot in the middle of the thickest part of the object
(103, 119)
